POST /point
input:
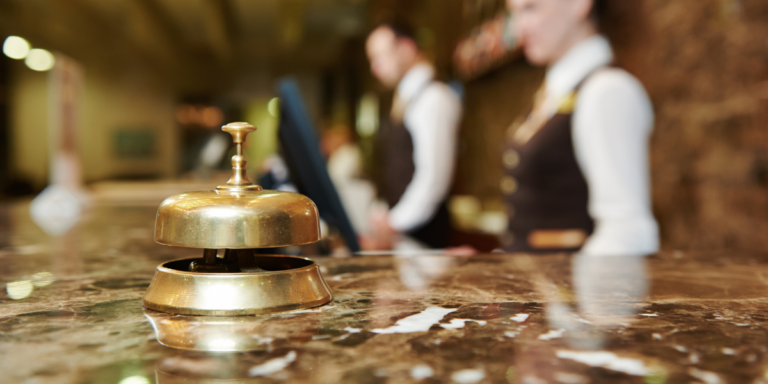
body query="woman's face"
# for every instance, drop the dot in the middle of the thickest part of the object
(547, 28)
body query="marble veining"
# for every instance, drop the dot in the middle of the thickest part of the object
(606, 360)
(420, 322)
(459, 323)
(70, 312)
(273, 366)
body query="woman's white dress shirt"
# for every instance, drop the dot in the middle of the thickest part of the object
(612, 122)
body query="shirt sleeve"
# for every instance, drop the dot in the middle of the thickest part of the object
(433, 123)
(612, 123)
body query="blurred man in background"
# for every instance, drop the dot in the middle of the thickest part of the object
(420, 144)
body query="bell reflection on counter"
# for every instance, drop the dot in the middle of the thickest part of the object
(236, 217)
(213, 333)
(222, 368)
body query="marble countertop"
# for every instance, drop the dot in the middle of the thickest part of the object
(70, 312)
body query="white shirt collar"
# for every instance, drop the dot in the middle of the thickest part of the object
(414, 80)
(583, 59)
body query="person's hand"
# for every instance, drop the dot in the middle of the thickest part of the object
(464, 250)
(382, 236)
(372, 243)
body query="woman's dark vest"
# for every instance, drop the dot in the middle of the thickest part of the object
(545, 191)
(398, 173)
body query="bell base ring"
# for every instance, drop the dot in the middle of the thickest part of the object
(287, 283)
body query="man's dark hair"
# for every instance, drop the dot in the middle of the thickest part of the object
(401, 29)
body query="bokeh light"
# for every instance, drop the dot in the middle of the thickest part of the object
(16, 47)
(40, 60)
(368, 115)
(18, 290)
(206, 116)
(135, 380)
(273, 107)
(212, 117)
(42, 279)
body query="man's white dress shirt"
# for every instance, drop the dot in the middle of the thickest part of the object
(432, 117)
(612, 122)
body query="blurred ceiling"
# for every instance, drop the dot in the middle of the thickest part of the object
(208, 40)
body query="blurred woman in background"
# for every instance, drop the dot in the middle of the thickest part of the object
(577, 168)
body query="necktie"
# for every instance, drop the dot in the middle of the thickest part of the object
(398, 108)
(536, 119)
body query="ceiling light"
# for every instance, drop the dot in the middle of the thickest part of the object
(16, 47)
(39, 60)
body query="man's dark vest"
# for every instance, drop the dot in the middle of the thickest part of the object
(546, 193)
(398, 173)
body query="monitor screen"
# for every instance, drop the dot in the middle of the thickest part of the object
(307, 167)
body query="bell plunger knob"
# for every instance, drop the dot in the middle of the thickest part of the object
(238, 131)
(239, 180)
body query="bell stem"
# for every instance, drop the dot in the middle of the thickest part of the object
(209, 256)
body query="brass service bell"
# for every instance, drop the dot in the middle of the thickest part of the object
(236, 217)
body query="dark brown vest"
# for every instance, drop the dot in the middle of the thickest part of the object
(546, 193)
(398, 173)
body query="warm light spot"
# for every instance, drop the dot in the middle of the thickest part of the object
(368, 115)
(212, 117)
(220, 295)
(183, 115)
(16, 47)
(200, 115)
(195, 115)
(273, 107)
(18, 290)
(39, 60)
(135, 380)
(221, 344)
(42, 279)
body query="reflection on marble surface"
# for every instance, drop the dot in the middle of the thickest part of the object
(70, 312)
(609, 290)
(56, 209)
(418, 272)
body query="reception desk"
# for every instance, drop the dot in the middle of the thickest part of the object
(71, 312)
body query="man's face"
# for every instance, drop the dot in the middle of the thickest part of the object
(544, 26)
(389, 56)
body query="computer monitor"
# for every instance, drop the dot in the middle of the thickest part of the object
(301, 150)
